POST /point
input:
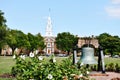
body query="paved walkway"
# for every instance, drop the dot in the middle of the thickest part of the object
(106, 76)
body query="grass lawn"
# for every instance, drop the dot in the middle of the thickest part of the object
(112, 60)
(6, 63)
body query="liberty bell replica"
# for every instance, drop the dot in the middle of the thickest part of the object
(87, 56)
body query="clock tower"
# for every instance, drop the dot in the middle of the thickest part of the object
(49, 38)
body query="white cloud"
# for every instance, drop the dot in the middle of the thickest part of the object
(113, 12)
(115, 1)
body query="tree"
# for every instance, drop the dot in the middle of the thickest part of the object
(101, 38)
(111, 44)
(3, 33)
(2, 19)
(36, 41)
(11, 39)
(66, 41)
(22, 40)
(31, 39)
(3, 30)
(17, 39)
(40, 41)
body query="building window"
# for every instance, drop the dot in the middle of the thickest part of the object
(53, 44)
(48, 45)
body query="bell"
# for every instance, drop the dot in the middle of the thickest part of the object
(87, 56)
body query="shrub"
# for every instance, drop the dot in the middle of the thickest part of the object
(117, 67)
(110, 67)
(37, 68)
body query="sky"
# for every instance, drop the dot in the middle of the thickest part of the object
(79, 17)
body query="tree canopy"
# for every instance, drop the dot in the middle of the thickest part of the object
(2, 19)
(17, 39)
(3, 30)
(111, 44)
(36, 41)
(66, 41)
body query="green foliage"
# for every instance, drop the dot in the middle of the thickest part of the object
(111, 44)
(6, 63)
(66, 41)
(17, 39)
(36, 67)
(3, 30)
(11, 39)
(40, 41)
(2, 19)
(112, 67)
(111, 64)
(117, 68)
(22, 40)
(36, 41)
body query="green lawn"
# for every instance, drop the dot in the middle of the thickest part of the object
(112, 60)
(6, 63)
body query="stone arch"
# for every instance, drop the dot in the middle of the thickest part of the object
(85, 41)
(86, 45)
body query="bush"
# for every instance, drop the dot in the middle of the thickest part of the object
(37, 68)
(113, 67)
(117, 68)
(108, 67)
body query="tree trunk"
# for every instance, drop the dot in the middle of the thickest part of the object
(13, 50)
(68, 52)
(111, 52)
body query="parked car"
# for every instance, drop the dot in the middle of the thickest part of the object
(116, 56)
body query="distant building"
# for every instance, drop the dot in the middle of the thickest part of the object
(49, 38)
(6, 50)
